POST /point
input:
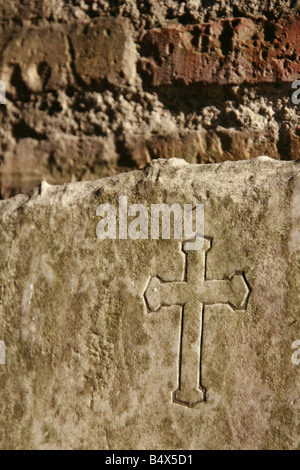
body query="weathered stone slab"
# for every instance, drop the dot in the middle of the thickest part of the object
(141, 343)
(231, 51)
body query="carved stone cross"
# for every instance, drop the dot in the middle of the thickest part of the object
(193, 294)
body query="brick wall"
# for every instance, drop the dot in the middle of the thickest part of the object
(97, 88)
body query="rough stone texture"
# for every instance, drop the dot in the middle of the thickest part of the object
(208, 146)
(103, 50)
(43, 58)
(39, 57)
(75, 99)
(75, 159)
(90, 366)
(143, 15)
(231, 51)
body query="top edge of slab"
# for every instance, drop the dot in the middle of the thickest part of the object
(263, 166)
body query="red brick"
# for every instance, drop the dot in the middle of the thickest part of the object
(230, 51)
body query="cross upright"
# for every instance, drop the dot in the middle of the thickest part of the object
(192, 295)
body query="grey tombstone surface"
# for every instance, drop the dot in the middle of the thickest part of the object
(143, 344)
